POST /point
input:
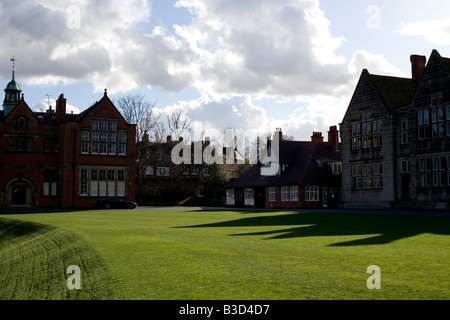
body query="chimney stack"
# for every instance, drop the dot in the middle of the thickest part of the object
(61, 108)
(317, 137)
(333, 137)
(279, 131)
(418, 67)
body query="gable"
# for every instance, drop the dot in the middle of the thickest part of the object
(378, 94)
(435, 80)
(103, 109)
(21, 110)
(365, 97)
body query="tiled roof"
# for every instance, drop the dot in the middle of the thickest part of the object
(395, 92)
(306, 165)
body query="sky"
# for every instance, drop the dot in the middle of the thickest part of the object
(253, 65)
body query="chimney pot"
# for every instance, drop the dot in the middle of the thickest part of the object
(317, 137)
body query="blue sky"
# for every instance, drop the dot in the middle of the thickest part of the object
(253, 65)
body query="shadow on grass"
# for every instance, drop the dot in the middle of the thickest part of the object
(378, 229)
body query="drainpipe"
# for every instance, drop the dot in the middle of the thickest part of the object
(74, 129)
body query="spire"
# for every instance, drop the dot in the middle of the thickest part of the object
(12, 92)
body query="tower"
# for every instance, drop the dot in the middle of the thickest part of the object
(12, 94)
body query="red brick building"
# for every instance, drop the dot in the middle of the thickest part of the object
(55, 159)
(308, 176)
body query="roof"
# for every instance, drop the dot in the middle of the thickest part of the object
(306, 164)
(13, 85)
(395, 92)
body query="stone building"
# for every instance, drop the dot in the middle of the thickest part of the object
(396, 138)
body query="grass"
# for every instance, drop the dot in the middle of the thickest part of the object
(226, 255)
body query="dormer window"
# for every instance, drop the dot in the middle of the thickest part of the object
(336, 167)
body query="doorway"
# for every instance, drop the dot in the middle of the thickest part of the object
(19, 195)
(405, 188)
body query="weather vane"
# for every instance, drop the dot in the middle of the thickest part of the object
(13, 60)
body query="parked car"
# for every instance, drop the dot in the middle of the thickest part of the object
(116, 203)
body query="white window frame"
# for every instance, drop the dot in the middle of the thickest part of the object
(294, 193)
(231, 197)
(249, 196)
(285, 193)
(312, 194)
(162, 171)
(272, 194)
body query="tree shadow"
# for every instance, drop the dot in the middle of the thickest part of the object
(378, 229)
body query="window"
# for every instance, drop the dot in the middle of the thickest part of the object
(104, 126)
(85, 147)
(336, 167)
(112, 149)
(404, 132)
(50, 145)
(249, 196)
(272, 194)
(149, 171)
(103, 139)
(404, 166)
(85, 136)
(122, 138)
(434, 172)
(121, 183)
(122, 144)
(284, 194)
(163, 171)
(122, 148)
(103, 183)
(366, 134)
(20, 144)
(95, 148)
(448, 121)
(83, 182)
(95, 126)
(50, 182)
(367, 176)
(312, 194)
(111, 183)
(94, 183)
(294, 193)
(103, 148)
(230, 197)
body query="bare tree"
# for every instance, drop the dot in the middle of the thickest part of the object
(178, 123)
(160, 132)
(136, 110)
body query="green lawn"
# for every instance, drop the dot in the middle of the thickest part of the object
(227, 255)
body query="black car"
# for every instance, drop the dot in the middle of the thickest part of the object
(116, 203)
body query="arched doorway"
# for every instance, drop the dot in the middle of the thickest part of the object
(20, 192)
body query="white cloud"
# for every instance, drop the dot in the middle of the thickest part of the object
(233, 52)
(273, 48)
(44, 104)
(374, 63)
(434, 31)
